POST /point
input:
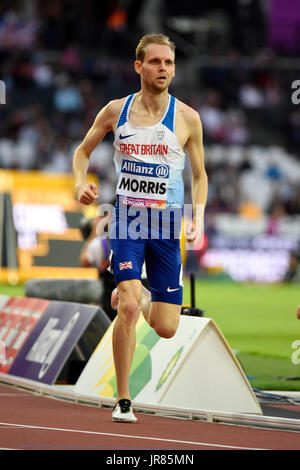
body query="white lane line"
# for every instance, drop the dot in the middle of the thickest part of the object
(7, 448)
(129, 436)
(14, 395)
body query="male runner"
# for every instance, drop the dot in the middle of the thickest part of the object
(151, 129)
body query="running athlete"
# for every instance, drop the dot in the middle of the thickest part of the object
(152, 130)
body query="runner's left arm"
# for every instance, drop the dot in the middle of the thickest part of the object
(199, 177)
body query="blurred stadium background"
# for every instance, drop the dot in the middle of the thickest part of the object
(238, 65)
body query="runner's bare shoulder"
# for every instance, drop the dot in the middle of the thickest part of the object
(113, 109)
(114, 106)
(187, 113)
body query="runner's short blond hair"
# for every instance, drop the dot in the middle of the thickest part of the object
(152, 39)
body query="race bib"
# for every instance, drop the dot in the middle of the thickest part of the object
(143, 184)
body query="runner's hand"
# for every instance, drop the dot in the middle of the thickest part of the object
(193, 233)
(87, 193)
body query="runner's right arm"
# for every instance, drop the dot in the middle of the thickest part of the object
(104, 122)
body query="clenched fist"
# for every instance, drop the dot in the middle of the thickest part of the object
(87, 193)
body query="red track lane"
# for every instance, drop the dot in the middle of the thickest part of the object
(31, 422)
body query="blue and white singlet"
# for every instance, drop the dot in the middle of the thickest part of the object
(149, 161)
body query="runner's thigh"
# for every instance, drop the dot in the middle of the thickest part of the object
(164, 270)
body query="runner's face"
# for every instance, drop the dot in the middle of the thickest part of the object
(158, 68)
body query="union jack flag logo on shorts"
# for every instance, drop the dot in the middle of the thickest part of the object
(125, 265)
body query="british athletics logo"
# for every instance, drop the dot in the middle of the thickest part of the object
(125, 265)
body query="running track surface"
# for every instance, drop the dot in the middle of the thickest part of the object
(31, 422)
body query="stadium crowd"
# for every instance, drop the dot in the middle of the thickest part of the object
(54, 89)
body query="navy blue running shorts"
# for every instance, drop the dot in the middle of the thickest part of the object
(160, 250)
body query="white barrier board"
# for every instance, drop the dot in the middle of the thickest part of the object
(194, 369)
(3, 300)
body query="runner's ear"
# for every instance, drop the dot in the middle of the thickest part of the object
(138, 66)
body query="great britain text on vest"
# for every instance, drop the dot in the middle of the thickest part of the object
(143, 149)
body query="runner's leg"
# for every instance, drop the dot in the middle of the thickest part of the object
(145, 301)
(164, 271)
(124, 333)
(164, 318)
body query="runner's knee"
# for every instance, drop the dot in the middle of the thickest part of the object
(165, 331)
(129, 310)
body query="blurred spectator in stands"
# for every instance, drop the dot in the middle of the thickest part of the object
(101, 160)
(236, 131)
(28, 138)
(96, 249)
(42, 74)
(245, 166)
(91, 103)
(60, 160)
(23, 70)
(212, 116)
(95, 253)
(293, 130)
(250, 96)
(218, 203)
(273, 96)
(67, 97)
(292, 205)
(250, 210)
(273, 172)
(71, 59)
(293, 271)
(15, 121)
(274, 175)
(276, 213)
(45, 144)
(30, 131)
(17, 33)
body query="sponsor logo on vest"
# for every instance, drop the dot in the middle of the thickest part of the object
(125, 136)
(161, 171)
